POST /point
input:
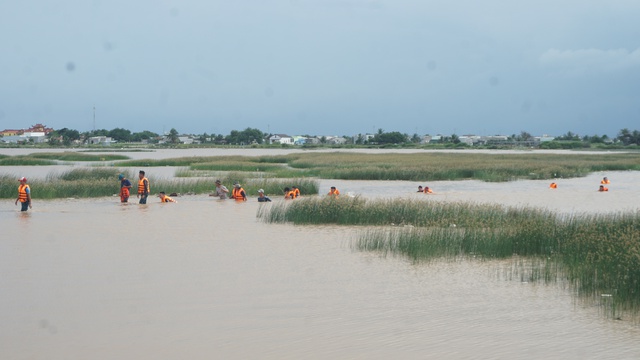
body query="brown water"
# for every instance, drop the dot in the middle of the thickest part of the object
(203, 279)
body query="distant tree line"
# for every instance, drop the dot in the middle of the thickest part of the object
(66, 137)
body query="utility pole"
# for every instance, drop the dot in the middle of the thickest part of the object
(94, 118)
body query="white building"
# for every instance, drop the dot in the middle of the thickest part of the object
(100, 140)
(280, 139)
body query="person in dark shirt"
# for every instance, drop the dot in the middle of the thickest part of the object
(262, 197)
(125, 188)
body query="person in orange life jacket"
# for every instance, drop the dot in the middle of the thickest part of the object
(420, 188)
(605, 181)
(334, 192)
(262, 197)
(289, 194)
(296, 191)
(125, 188)
(24, 195)
(143, 187)
(164, 198)
(553, 186)
(602, 188)
(238, 193)
(427, 190)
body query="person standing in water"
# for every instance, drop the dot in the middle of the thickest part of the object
(125, 188)
(221, 190)
(262, 197)
(238, 193)
(24, 195)
(143, 187)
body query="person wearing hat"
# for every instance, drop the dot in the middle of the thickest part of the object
(24, 194)
(143, 187)
(221, 190)
(238, 193)
(262, 197)
(125, 188)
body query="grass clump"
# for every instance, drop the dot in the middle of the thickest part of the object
(22, 160)
(597, 254)
(78, 156)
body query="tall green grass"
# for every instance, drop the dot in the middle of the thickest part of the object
(413, 167)
(78, 156)
(247, 166)
(97, 182)
(22, 160)
(597, 254)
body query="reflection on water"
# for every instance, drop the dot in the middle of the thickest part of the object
(204, 278)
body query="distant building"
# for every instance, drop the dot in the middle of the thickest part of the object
(36, 132)
(39, 128)
(299, 140)
(335, 140)
(100, 140)
(11, 132)
(280, 139)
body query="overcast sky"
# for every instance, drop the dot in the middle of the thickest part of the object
(325, 67)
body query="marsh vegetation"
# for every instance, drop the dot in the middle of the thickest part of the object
(103, 181)
(598, 254)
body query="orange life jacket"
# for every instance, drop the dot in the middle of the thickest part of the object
(166, 199)
(428, 190)
(22, 192)
(141, 186)
(603, 189)
(290, 195)
(334, 192)
(553, 186)
(296, 192)
(237, 194)
(605, 181)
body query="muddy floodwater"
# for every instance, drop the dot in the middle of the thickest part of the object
(205, 279)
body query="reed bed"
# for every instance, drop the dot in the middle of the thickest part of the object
(346, 210)
(247, 166)
(205, 161)
(598, 254)
(23, 160)
(98, 182)
(455, 166)
(183, 161)
(78, 156)
(413, 167)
